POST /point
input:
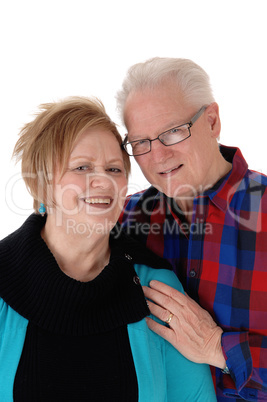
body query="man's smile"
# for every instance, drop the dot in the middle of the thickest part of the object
(171, 170)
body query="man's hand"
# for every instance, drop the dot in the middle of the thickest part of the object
(191, 330)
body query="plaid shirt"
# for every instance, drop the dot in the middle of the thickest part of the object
(221, 260)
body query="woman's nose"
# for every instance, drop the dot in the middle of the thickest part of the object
(100, 180)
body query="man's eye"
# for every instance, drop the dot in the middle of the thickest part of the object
(175, 131)
(137, 144)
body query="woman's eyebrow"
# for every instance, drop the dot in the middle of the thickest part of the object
(92, 159)
(82, 157)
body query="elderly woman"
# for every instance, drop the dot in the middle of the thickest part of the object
(72, 309)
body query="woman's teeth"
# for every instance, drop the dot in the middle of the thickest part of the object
(97, 200)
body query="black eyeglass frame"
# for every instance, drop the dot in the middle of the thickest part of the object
(189, 125)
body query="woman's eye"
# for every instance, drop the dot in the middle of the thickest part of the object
(114, 170)
(82, 168)
(88, 168)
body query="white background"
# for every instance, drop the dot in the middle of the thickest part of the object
(57, 48)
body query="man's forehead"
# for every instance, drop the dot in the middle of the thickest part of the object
(147, 101)
(154, 120)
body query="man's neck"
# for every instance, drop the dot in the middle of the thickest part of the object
(186, 203)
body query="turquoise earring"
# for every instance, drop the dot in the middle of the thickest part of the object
(42, 209)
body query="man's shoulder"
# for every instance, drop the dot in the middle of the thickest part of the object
(142, 195)
(257, 177)
(146, 199)
(240, 167)
(253, 186)
(138, 209)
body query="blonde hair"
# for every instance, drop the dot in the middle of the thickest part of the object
(189, 77)
(48, 140)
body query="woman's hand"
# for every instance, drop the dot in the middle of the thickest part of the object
(191, 329)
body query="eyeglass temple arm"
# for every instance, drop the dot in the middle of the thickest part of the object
(197, 115)
(124, 140)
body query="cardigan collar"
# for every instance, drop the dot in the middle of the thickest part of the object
(33, 285)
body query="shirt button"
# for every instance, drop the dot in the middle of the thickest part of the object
(136, 280)
(192, 273)
(128, 256)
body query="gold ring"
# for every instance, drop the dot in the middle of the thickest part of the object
(169, 318)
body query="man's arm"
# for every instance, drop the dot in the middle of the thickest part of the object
(194, 333)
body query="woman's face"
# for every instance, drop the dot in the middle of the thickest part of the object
(91, 193)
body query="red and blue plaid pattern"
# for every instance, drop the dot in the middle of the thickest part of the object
(221, 260)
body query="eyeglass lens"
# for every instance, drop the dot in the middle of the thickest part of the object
(170, 137)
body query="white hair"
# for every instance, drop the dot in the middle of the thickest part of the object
(189, 77)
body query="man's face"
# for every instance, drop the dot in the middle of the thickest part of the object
(179, 170)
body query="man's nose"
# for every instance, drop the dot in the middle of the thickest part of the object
(159, 150)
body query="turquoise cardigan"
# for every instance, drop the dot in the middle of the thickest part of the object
(163, 374)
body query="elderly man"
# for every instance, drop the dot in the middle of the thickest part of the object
(206, 213)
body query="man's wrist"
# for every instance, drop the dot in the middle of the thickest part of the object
(219, 359)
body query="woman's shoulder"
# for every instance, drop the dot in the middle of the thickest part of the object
(24, 234)
(33, 223)
(9, 318)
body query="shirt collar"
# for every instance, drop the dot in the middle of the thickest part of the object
(222, 192)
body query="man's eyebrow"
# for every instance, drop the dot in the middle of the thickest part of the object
(167, 127)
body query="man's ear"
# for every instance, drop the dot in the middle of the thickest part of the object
(213, 118)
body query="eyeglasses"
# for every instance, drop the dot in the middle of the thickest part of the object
(169, 137)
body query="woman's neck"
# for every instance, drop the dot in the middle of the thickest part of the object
(78, 256)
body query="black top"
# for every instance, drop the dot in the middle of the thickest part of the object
(76, 346)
